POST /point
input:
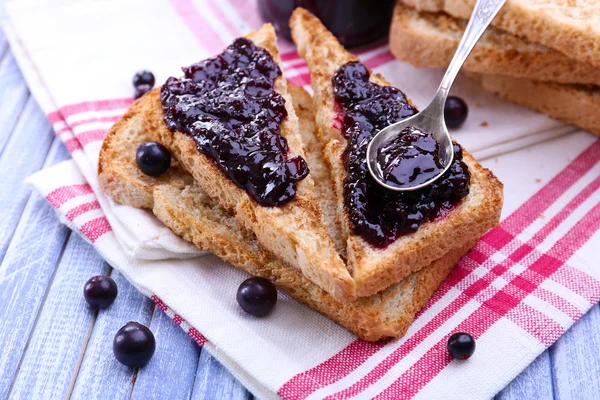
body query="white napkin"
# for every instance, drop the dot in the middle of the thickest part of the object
(138, 232)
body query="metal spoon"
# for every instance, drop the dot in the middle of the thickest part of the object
(431, 118)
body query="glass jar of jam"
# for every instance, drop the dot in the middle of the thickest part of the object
(353, 22)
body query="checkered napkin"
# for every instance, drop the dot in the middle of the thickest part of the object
(521, 287)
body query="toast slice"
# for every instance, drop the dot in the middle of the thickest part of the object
(573, 104)
(571, 27)
(374, 268)
(179, 202)
(425, 39)
(294, 231)
(118, 174)
(302, 102)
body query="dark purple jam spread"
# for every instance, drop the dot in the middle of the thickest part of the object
(229, 106)
(379, 215)
(412, 159)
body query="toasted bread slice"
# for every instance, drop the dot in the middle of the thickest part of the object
(294, 232)
(374, 269)
(425, 39)
(319, 171)
(573, 104)
(118, 173)
(570, 27)
(190, 213)
(183, 206)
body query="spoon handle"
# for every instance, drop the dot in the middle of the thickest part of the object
(483, 14)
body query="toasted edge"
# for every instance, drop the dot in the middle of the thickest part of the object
(569, 28)
(314, 157)
(385, 315)
(117, 163)
(430, 40)
(573, 104)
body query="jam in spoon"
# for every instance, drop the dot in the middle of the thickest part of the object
(413, 153)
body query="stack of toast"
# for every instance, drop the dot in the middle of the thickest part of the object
(542, 55)
(307, 247)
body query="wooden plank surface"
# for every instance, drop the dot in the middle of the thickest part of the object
(213, 381)
(3, 42)
(576, 360)
(62, 328)
(176, 356)
(31, 238)
(24, 154)
(24, 277)
(533, 383)
(101, 376)
(13, 92)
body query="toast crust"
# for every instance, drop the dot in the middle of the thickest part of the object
(375, 269)
(179, 202)
(294, 231)
(384, 315)
(314, 157)
(430, 40)
(567, 26)
(573, 104)
(117, 163)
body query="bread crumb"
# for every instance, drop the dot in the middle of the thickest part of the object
(538, 180)
(542, 216)
(484, 124)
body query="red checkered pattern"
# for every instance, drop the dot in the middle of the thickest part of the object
(192, 332)
(80, 205)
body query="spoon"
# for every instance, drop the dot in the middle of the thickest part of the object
(431, 118)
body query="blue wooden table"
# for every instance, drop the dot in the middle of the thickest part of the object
(52, 346)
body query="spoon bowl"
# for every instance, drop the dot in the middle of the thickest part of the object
(431, 119)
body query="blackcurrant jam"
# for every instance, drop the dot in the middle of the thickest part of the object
(412, 159)
(380, 215)
(229, 106)
(353, 22)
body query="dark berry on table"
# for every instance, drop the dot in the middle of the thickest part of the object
(141, 90)
(153, 158)
(134, 345)
(257, 296)
(461, 346)
(455, 112)
(143, 78)
(100, 291)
